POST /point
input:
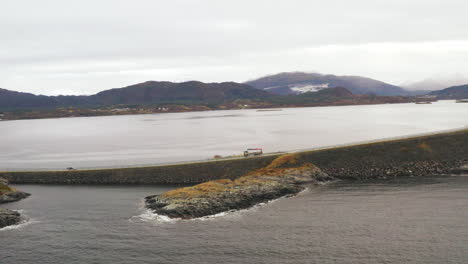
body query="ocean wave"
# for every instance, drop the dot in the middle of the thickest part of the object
(149, 216)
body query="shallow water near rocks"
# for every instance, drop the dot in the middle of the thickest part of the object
(416, 220)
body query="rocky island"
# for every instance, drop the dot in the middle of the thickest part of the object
(283, 176)
(8, 194)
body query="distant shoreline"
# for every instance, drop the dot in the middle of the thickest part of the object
(114, 111)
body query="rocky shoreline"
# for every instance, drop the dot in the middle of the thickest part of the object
(281, 177)
(7, 194)
(13, 196)
(462, 169)
(407, 169)
(9, 217)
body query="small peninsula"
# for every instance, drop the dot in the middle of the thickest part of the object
(283, 176)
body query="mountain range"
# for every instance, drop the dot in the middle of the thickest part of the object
(300, 82)
(455, 92)
(150, 92)
(287, 88)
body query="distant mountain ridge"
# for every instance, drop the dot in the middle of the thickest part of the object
(228, 93)
(12, 99)
(152, 91)
(454, 92)
(292, 82)
(143, 93)
(166, 97)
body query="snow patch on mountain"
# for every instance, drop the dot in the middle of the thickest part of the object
(308, 87)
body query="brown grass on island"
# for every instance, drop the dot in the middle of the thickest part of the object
(5, 188)
(258, 177)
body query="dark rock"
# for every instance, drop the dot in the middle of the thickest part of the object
(365, 171)
(3, 181)
(9, 217)
(462, 169)
(12, 196)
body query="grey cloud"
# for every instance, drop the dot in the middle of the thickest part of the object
(54, 44)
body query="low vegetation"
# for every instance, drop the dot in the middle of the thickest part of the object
(424, 146)
(5, 188)
(277, 168)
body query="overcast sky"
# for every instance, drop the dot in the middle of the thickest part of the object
(82, 47)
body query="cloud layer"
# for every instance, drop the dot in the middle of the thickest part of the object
(82, 47)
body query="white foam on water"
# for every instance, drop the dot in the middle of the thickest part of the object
(21, 225)
(150, 216)
(24, 222)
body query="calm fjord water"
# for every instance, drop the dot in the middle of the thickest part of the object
(162, 138)
(420, 220)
